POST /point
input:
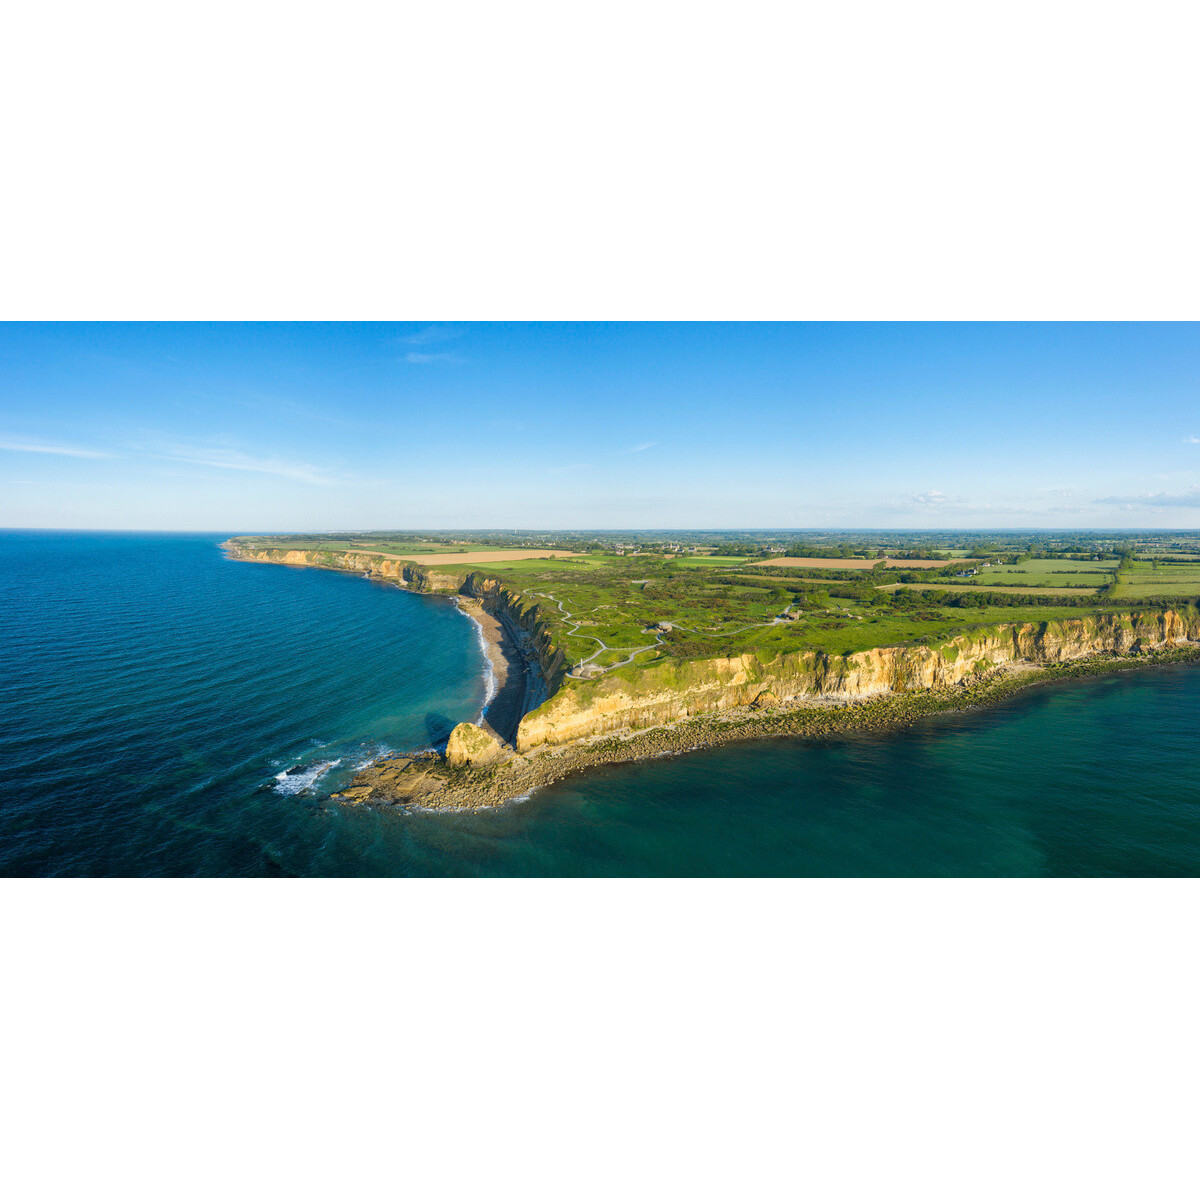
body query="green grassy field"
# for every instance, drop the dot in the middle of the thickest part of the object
(708, 560)
(531, 566)
(1049, 572)
(603, 606)
(1008, 591)
(366, 544)
(1143, 579)
(609, 603)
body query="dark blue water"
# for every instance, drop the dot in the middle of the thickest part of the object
(155, 695)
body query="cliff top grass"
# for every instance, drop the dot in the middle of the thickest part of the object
(622, 613)
(617, 608)
(1141, 579)
(369, 545)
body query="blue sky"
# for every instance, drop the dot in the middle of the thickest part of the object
(276, 427)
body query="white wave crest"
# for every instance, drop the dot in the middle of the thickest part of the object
(293, 782)
(489, 672)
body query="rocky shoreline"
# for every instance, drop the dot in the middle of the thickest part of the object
(433, 782)
(534, 731)
(502, 713)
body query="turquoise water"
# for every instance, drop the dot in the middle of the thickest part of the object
(155, 697)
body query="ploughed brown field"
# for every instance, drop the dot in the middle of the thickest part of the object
(852, 564)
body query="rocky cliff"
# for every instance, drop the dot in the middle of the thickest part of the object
(640, 697)
(636, 698)
(521, 616)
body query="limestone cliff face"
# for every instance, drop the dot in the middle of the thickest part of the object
(522, 615)
(525, 616)
(380, 566)
(668, 691)
(638, 697)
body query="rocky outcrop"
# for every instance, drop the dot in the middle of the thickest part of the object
(637, 698)
(470, 746)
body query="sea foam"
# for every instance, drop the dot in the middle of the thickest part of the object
(292, 783)
(489, 672)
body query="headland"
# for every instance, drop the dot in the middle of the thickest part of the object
(561, 706)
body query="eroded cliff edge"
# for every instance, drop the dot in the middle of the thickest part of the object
(637, 698)
(581, 722)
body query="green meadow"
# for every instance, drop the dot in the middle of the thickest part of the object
(1049, 572)
(376, 545)
(1143, 578)
(603, 606)
(610, 604)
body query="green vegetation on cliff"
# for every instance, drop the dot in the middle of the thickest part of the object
(629, 639)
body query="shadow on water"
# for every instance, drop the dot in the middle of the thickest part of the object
(437, 728)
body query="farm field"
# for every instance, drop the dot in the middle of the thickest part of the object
(1167, 579)
(1049, 572)
(466, 558)
(425, 554)
(532, 562)
(609, 611)
(621, 611)
(1008, 591)
(708, 560)
(852, 564)
(380, 546)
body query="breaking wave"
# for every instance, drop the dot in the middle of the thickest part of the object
(489, 672)
(298, 779)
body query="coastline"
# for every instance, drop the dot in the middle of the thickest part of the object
(916, 683)
(505, 706)
(515, 682)
(429, 783)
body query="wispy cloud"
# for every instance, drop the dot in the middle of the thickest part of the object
(415, 356)
(234, 460)
(430, 335)
(54, 448)
(1194, 440)
(638, 448)
(930, 498)
(1188, 499)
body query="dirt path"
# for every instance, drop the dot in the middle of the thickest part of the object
(634, 651)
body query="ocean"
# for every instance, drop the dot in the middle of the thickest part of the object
(166, 712)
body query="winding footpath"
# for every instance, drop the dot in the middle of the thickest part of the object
(635, 651)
